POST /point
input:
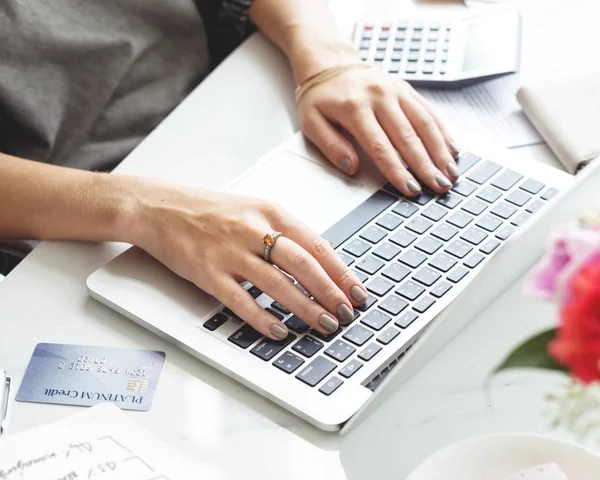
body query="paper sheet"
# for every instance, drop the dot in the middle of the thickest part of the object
(488, 110)
(100, 443)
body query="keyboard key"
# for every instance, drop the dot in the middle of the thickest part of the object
(411, 67)
(369, 352)
(466, 160)
(505, 232)
(388, 335)
(398, 44)
(504, 210)
(518, 198)
(326, 337)
(489, 194)
(387, 251)
(365, 44)
(384, 35)
(276, 314)
(370, 265)
(443, 262)
(419, 225)
(507, 179)
(393, 305)
(307, 346)
(296, 324)
(215, 322)
(396, 57)
(410, 290)
(359, 217)
(376, 319)
(426, 276)
(380, 54)
(402, 238)
(339, 351)
(474, 260)
(389, 221)
(534, 206)
(450, 200)
(358, 335)
(303, 290)
(532, 186)
(444, 232)
(484, 172)
(396, 272)
(429, 245)
(228, 311)
(379, 286)
(464, 188)
(394, 66)
(474, 206)
(423, 304)
(458, 248)
(489, 223)
(405, 209)
(357, 247)
(489, 246)
(519, 219)
(427, 68)
(368, 304)
(460, 219)
(549, 194)
(412, 258)
(440, 289)
(331, 386)
(406, 319)
(255, 292)
(474, 235)
(347, 259)
(429, 56)
(362, 278)
(245, 336)
(288, 362)
(350, 368)
(267, 348)
(373, 234)
(458, 274)
(316, 371)
(435, 212)
(423, 198)
(364, 55)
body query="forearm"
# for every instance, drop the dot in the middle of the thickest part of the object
(306, 32)
(39, 201)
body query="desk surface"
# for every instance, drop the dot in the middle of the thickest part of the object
(214, 419)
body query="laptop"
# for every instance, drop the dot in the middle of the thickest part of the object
(431, 264)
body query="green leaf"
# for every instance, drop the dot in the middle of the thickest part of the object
(533, 354)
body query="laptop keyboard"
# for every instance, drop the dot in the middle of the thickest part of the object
(409, 253)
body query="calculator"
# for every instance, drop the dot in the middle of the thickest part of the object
(434, 51)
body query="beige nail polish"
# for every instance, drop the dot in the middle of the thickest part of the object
(413, 186)
(278, 331)
(328, 323)
(442, 181)
(455, 148)
(345, 314)
(346, 165)
(358, 294)
(453, 169)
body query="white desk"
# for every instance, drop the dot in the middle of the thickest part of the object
(214, 419)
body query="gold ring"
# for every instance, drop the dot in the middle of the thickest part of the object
(269, 241)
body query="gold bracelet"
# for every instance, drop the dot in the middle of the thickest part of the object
(323, 75)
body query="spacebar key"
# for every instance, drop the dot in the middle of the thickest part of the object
(359, 217)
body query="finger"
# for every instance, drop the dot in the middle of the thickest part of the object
(405, 139)
(366, 130)
(295, 260)
(332, 264)
(430, 134)
(243, 305)
(275, 284)
(330, 141)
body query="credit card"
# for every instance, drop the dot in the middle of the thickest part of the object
(85, 375)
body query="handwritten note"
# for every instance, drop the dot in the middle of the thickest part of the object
(100, 443)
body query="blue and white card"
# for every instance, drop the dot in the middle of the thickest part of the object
(84, 375)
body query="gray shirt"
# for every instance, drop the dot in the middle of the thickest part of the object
(82, 82)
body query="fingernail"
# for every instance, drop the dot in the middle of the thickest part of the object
(278, 331)
(455, 148)
(358, 294)
(413, 186)
(442, 181)
(345, 315)
(453, 169)
(328, 323)
(346, 165)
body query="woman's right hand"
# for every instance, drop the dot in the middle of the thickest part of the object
(215, 241)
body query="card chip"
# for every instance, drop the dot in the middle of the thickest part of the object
(139, 386)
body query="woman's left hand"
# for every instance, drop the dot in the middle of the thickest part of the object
(385, 116)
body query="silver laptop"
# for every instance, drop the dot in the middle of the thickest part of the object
(431, 264)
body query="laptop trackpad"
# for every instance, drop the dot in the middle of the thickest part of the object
(315, 193)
